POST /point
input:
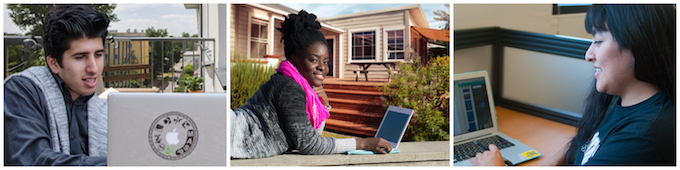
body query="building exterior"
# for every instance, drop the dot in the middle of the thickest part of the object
(380, 37)
(376, 37)
(212, 23)
(138, 49)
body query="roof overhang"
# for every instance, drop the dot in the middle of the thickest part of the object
(419, 17)
(191, 6)
(435, 34)
(281, 12)
(416, 12)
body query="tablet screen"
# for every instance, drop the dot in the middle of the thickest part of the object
(393, 125)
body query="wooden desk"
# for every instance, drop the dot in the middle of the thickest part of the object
(544, 135)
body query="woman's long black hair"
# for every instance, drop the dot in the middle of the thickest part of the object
(649, 32)
(299, 32)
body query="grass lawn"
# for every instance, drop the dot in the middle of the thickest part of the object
(336, 135)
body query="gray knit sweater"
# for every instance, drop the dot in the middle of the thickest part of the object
(57, 123)
(274, 121)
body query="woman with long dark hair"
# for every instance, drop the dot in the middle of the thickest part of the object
(629, 118)
(289, 111)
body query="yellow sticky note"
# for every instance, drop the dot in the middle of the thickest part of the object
(530, 154)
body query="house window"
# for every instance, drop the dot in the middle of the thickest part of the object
(258, 38)
(395, 45)
(363, 45)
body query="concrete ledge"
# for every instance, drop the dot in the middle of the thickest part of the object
(412, 154)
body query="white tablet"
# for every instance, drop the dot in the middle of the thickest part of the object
(394, 125)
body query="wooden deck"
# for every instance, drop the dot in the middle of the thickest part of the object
(350, 81)
(357, 105)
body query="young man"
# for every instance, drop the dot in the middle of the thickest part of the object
(52, 116)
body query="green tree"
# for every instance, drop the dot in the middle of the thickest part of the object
(15, 56)
(31, 16)
(443, 16)
(190, 44)
(160, 50)
(424, 89)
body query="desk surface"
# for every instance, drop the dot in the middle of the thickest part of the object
(544, 135)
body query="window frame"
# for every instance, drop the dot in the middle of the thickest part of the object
(259, 39)
(386, 51)
(350, 44)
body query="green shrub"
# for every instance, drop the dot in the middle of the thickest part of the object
(246, 78)
(425, 90)
(193, 83)
(181, 85)
(188, 69)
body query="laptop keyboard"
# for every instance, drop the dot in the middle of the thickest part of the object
(468, 150)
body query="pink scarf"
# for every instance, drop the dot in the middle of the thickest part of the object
(316, 111)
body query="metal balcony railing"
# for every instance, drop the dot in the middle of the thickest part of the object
(129, 62)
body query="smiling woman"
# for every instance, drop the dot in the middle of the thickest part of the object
(629, 118)
(289, 111)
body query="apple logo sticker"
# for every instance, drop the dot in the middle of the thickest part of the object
(173, 135)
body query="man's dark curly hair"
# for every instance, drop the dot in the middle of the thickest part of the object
(65, 23)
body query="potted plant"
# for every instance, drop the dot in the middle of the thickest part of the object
(193, 83)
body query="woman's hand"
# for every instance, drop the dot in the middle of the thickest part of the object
(492, 157)
(322, 95)
(374, 144)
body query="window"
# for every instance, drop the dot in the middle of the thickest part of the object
(395, 44)
(258, 38)
(363, 45)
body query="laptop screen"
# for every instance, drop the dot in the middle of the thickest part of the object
(471, 107)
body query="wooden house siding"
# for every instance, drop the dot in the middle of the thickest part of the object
(232, 30)
(389, 18)
(340, 30)
(375, 22)
(239, 30)
(278, 45)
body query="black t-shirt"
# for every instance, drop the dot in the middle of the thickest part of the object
(642, 134)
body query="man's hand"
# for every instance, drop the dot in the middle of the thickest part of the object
(322, 95)
(492, 157)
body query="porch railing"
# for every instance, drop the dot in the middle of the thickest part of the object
(131, 62)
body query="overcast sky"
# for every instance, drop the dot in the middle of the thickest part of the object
(177, 19)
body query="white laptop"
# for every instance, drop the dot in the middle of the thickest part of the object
(475, 120)
(167, 129)
(392, 128)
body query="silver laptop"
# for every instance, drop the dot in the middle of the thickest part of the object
(475, 120)
(167, 129)
(394, 125)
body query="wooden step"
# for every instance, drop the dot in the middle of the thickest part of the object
(358, 117)
(354, 95)
(364, 106)
(351, 87)
(350, 127)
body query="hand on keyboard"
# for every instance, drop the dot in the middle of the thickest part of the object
(492, 157)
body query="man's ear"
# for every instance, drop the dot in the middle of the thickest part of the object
(53, 64)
